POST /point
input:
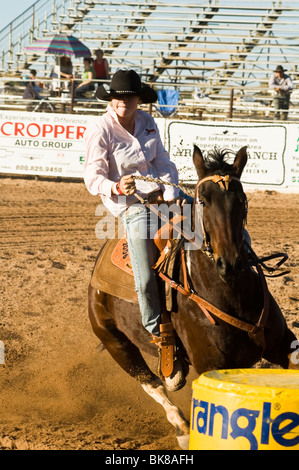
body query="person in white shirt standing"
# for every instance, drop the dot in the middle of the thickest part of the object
(123, 142)
(282, 85)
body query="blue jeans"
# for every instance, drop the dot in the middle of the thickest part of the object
(79, 92)
(140, 228)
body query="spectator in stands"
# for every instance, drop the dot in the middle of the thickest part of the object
(66, 71)
(125, 141)
(66, 67)
(32, 89)
(101, 66)
(282, 85)
(88, 75)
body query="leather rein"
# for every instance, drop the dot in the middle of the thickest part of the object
(255, 331)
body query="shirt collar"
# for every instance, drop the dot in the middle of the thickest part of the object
(114, 115)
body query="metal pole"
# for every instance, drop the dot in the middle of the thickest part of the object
(72, 96)
(231, 104)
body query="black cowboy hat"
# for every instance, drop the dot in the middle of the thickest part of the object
(126, 82)
(279, 68)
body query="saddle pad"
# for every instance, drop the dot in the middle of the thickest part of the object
(113, 273)
(120, 256)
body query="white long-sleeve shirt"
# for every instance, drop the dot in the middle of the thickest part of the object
(112, 152)
(284, 84)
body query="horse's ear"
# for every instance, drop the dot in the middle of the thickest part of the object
(240, 161)
(199, 162)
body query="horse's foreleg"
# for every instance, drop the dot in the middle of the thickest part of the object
(123, 351)
(174, 415)
(128, 356)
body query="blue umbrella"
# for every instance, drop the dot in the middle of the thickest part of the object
(59, 44)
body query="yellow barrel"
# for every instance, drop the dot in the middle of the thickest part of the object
(245, 409)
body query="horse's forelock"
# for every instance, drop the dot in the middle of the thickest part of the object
(216, 159)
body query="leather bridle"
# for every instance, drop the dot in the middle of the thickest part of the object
(223, 182)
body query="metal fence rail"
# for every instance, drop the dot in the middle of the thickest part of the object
(240, 103)
(204, 48)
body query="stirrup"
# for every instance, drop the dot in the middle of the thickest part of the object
(166, 345)
(167, 349)
(176, 379)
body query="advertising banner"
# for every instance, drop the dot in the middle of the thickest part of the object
(272, 149)
(42, 144)
(48, 144)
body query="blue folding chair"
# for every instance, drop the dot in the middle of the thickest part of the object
(168, 101)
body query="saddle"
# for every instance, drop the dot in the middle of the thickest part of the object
(113, 272)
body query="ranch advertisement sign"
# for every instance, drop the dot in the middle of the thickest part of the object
(48, 144)
(273, 157)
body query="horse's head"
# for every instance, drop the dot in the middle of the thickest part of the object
(220, 192)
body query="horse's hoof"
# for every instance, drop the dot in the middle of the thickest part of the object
(183, 441)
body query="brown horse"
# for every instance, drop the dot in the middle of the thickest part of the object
(247, 322)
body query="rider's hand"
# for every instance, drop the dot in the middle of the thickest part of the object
(178, 201)
(127, 185)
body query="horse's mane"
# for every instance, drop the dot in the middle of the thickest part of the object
(216, 160)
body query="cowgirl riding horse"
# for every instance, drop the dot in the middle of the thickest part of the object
(125, 141)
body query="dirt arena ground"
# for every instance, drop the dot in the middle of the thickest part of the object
(58, 389)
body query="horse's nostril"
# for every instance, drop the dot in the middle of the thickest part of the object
(226, 269)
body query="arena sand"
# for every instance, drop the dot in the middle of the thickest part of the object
(59, 390)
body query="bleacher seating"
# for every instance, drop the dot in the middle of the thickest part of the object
(215, 45)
